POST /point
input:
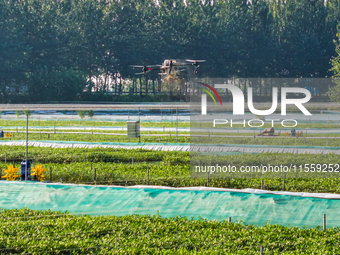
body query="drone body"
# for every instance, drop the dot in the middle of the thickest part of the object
(170, 67)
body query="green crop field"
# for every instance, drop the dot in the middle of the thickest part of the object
(166, 168)
(35, 122)
(44, 232)
(182, 137)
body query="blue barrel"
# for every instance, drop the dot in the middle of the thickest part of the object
(23, 168)
(1, 134)
(293, 132)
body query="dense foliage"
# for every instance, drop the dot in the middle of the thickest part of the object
(46, 232)
(58, 50)
(335, 91)
(167, 168)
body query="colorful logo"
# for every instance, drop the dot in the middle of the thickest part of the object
(208, 92)
(238, 99)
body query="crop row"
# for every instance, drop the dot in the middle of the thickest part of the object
(172, 123)
(88, 123)
(65, 155)
(171, 168)
(45, 232)
(279, 133)
(279, 141)
(62, 155)
(100, 138)
(175, 176)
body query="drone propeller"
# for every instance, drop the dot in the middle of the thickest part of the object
(136, 66)
(193, 61)
(139, 66)
(145, 69)
(143, 72)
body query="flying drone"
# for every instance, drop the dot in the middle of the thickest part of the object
(170, 66)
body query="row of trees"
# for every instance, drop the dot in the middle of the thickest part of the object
(64, 50)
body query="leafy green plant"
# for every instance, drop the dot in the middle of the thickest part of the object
(27, 113)
(90, 113)
(81, 114)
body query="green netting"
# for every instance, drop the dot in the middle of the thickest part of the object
(251, 208)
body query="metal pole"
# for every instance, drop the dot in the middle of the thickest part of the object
(140, 139)
(177, 125)
(26, 147)
(138, 114)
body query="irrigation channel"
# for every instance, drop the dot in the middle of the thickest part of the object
(250, 206)
(164, 128)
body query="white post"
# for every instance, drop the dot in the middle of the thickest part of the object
(26, 147)
(177, 125)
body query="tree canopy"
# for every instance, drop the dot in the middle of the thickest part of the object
(55, 50)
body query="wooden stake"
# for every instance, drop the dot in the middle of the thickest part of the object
(284, 181)
(261, 250)
(208, 179)
(324, 222)
(50, 174)
(148, 175)
(229, 220)
(95, 175)
(262, 182)
(5, 158)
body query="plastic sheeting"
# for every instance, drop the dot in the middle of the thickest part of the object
(250, 206)
(65, 144)
(228, 148)
(249, 148)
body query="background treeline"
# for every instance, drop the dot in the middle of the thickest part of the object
(49, 49)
